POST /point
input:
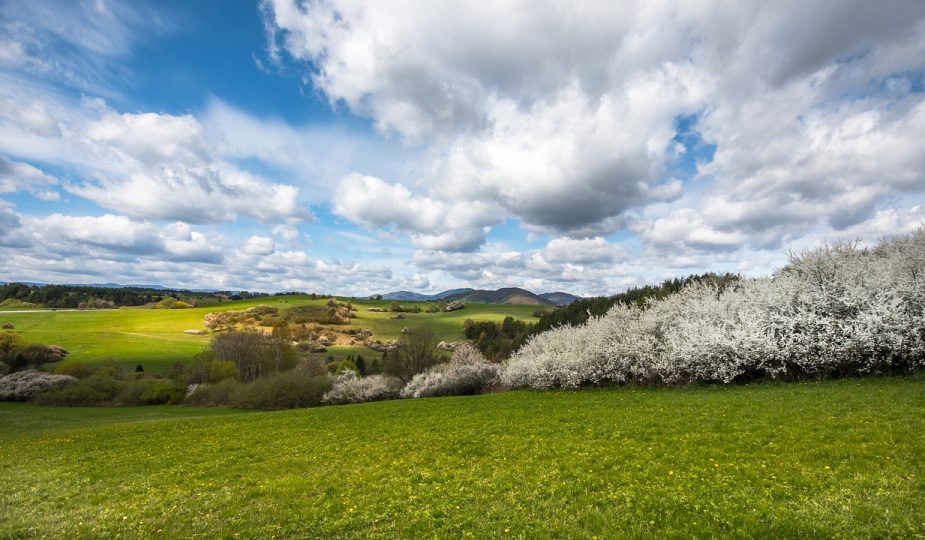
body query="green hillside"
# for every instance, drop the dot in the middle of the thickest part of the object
(155, 338)
(834, 459)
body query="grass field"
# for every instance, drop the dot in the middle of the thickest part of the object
(155, 338)
(817, 460)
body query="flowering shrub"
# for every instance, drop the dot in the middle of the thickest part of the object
(468, 372)
(26, 384)
(834, 311)
(348, 388)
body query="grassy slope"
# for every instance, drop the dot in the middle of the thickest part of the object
(155, 338)
(844, 458)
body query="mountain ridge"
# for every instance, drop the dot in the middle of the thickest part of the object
(504, 295)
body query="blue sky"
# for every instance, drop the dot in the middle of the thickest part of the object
(352, 148)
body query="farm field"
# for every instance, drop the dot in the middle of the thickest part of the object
(155, 338)
(832, 459)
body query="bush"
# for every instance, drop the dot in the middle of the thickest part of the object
(289, 390)
(348, 388)
(27, 384)
(212, 395)
(80, 371)
(19, 354)
(97, 389)
(469, 372)
(149, 392)
(313, 365)
(832, 312)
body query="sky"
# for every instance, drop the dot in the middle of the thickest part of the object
(353, 147)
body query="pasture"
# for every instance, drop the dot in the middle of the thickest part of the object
(841, 458)
(155, 338)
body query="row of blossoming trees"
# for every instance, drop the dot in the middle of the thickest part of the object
(838, 310)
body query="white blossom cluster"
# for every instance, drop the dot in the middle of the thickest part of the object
(24, 385)
(349, 388)
(834, 311)
(468, 372)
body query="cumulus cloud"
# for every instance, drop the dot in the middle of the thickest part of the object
(583, 251)
(259, 245)
(433, 224)
(149, 166)
(568, 121)
(119, 237)
(62, 248)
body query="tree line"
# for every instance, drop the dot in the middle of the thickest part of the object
(72, 296)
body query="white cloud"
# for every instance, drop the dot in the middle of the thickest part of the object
(687, 229)
(286, 232)
(145, 165)
(433, 224)
(18, 176)
(259, 245)
(75, 43)
(566, 120)
(584, 251)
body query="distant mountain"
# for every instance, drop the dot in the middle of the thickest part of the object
(508, 295)
(559, 298)
(408, 296)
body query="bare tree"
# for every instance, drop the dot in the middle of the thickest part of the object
(418, 351)
(255, 353)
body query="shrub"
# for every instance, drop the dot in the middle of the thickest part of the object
(149, 392)
(80, 371)
(19, 354)
(219, 370)
(289, 390)
(313, 365)
(25, 385)
(469, 372)
(97, 389)
(212, 395)
(348, 388)
(332, 313)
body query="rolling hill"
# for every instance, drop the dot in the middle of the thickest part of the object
(507, 295)
(408, 296)
(559, 298)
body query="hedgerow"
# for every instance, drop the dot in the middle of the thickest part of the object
(835, 311)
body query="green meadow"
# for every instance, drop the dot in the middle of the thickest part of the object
(811, 460)
(155, 338)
